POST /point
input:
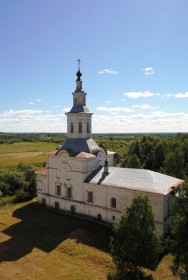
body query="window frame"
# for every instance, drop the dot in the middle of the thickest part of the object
(71, 127)
(90, 196)
(79, 127)
(58, 189)
(69, 192)
(113, 203)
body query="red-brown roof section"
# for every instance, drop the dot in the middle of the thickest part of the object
(42, 171)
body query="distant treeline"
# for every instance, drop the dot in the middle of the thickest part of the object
(165, 152)
(10, 138)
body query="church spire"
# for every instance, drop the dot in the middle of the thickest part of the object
(79, 64)
(78, 81)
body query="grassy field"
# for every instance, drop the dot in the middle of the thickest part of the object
(37, 243)
(26, 152)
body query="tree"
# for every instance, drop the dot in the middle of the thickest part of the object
(18, 178)
(174, 163)
(146, 152)
(134, 161)
(131, 162)
(159, 155)
(179, 230)
(135, 242)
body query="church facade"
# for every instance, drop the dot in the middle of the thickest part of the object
(80, 177)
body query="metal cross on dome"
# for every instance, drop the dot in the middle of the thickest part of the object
(79, 64)
(78, 74)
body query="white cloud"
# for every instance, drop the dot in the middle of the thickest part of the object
(181, 95)
(38, 100)
(149, 71)
(158, 121)
(115, 121)
(143, 106)
(139, 94)
(108, 71)
(108, 101)
(20, 112)
(161, 114)
(30, 103)
(66, 109)
(32, 121)
(112, 109)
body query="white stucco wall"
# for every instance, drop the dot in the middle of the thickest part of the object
(72, 172)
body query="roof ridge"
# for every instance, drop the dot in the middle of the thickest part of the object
(151, 173)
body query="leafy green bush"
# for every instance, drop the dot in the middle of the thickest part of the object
(21, 195)
(19, 181)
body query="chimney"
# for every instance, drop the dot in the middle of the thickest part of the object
(105, 172)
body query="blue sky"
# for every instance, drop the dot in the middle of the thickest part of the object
(134, 60)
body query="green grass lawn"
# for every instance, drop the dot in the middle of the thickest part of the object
(27, 147)
(37, 243)
(26, 152)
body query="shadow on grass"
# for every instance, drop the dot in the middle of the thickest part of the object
(44, 229)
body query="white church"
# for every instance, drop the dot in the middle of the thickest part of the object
(80, 177)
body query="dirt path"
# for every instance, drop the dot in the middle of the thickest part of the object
(20, 155)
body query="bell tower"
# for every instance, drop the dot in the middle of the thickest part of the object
(79, 117)
(79, 125)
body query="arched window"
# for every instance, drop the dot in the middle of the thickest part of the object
(56, 205)
(69, 192)
(80, 127)
(58, 189)
(90, 196)
(71, 127)
(113, 202)
(88, 127)
(43, 201)
(39, 184)
(99, 217)
(73, 209)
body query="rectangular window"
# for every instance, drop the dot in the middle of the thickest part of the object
(71, 127)
(58, 190)
(69, 192)
(39, 185)
(90, 197)
(80, 127)
(88, 128)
